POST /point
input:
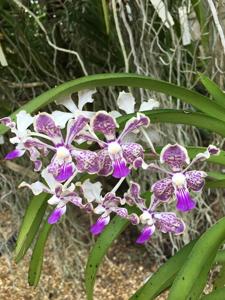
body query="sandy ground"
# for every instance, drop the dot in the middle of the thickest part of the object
(123, 271)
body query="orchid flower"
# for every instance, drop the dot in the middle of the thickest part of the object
(152, 220)
(116, 154)
(84, 97)
(180, 181)
(24, 140)
(62, 165)
(105, 205)
(61, 195)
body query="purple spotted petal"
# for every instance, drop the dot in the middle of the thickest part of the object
(74, 126)
(195, 180)
(133, 125)
(132, 196)
(8, 122)
(65, 172)
(134, 219)
(33, 143)
(37, 165)
(56, 215)
(86, 161)
(104, 123)
(169, 222)
(44, 123)
(213, 150)
(138, 163)
(88, 208)
(175, 156)
(111, 200)
(105, 163)
(146, 234)
(120, 168)
(132, 151)
(100, 225)
(184, 200)
(163, 189)
(76, 200)
(121, 212)
(14, 154)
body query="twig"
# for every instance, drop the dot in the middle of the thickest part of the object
(18, 3)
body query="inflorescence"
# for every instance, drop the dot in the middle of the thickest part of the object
(62, 137)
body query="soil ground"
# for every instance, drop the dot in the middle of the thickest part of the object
(123, 271)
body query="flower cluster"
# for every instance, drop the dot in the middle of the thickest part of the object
(57, 145)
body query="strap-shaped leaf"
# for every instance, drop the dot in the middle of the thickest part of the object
(217, 94)
(164, 276)
(122, 79)
(38, 254)
(216, 295)
(202, 253)
(184, 117)
(105, 240)
(199, 284)
(30, 225)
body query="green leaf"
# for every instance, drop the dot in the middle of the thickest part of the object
(216, 295)
(216, 184)
(30, 224)
(183, 117)
(38, 254)
(219, 281)
(217, 94)
(216, 175)
(202, 253)
(106, 15)
(199, 284)
(220, 257)
(112, 231)
(104, 241)
(122, 79)
(164, 276)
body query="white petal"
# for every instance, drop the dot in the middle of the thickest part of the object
(50, 180)
(149, 105)
(53, 200)
(68, 103)
(99, 210)
(61, 118)
(126, 102)
(115, 114)
(85, 96)
(24, 120)
(36, 187)
(92, 191)
(14, 140)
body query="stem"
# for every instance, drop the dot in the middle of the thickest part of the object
(70, 179)
(148, 140)
(118, 185)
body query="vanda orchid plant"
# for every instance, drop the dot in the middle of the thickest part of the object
(67, 147)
